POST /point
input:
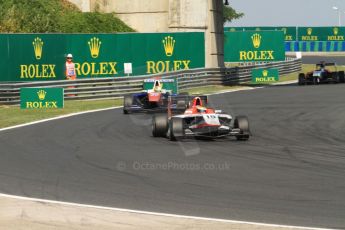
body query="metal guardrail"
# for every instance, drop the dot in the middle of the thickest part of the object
(115, 87)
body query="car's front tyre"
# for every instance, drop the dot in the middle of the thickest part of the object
(176, 129)
(159, 125)
(242, 123)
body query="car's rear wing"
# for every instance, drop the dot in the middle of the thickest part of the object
(179, 103)
(187, 99)
(326, 64)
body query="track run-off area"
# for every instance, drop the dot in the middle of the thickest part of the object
(290, 172)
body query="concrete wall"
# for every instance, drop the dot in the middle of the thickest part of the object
(170, 16)
(187, 15)
(141, 15)
(84, 5)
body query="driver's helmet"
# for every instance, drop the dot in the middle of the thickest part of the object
(197, 101)
(322, 65)
(201, 109)
(157, 86)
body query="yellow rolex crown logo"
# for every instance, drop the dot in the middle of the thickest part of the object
(41, 94)
(256, 38)
(309, 31)
(265, 73)
(169, 44)
(94, 45)
(38, 47)
(232, 29)
(335, 30)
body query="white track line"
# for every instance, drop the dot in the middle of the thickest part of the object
(158, 213)
(286, 82)
(58, 117)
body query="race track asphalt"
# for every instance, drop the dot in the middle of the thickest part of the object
(291, 171)
(339, 60)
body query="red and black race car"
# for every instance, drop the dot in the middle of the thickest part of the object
(321, 74)
(197, 120)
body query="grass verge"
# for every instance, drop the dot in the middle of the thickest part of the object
(13, 115)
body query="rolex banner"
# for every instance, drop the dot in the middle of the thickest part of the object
(254, 46)
(290, 32)
(37, 57)
(265, 76)
(321, 33)
(41, 98)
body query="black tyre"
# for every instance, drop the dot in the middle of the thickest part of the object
(159, 125)
(181, 105)
(127, 103)
(242, 123)
(301, 79)
(316, 80)
(176, 129)
(341, 75)
(335, 77)
(205, 101)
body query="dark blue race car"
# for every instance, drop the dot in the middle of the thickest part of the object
(153, 99)
(321, 74)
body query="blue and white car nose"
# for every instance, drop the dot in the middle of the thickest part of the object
(317, 73)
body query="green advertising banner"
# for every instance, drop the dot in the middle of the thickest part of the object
(37, 57)
(254, 46)
(265, 76)
(321, 33)
(41, 98)
(290, 32)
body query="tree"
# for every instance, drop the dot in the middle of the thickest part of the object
(230, 14)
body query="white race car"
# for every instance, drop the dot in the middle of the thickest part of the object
(196, 120)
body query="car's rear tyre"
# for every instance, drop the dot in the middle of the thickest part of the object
(335, 77)
(341, 75)
(301, 79)
(159, 125)
(242, 123)
(127, 103)
(181, 105)
(176, 129)
(205, 101)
